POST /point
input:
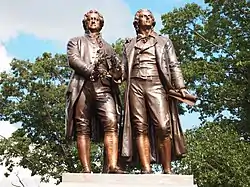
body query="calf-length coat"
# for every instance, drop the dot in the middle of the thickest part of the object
(171, 78)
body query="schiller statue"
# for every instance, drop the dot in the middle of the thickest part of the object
(154, 81)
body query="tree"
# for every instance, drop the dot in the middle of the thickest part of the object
(217, 156)
(118, 46)
(32, 94)
(213, 45)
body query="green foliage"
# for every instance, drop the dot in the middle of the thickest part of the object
(217, 156)
(32, 94)
(118, 46)
(213, 46)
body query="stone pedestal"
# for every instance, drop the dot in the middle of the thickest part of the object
(124, 180)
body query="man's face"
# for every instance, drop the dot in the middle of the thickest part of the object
(145, 19)
(93, 22)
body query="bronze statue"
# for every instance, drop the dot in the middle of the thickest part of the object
(151, 70)
(93, 105)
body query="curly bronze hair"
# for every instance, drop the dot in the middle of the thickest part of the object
(85, 18)
(136, 19)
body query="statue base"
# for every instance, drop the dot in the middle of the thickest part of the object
(123, 180)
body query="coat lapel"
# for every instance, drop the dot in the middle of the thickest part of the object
(130, 51)
(162, 61)
(159, 49)
(127, 145)
(81, 46)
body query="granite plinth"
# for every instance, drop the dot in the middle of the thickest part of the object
(124, 180)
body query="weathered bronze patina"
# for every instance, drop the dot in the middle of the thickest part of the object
(151, 69)
(93, 105)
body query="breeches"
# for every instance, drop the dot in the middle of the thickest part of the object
(100, 105)
(148, 100)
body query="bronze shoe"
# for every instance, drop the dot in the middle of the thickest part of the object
(116, 170)
(146, 172)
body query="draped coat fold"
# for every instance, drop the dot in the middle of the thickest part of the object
(79, 61)
(171, 78)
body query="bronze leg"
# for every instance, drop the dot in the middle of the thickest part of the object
(159, 112)
(105, 162)
(166, 162)
(83, 132)
(139, 120)
(108, 117)
(142, 142)
(165, 153)
(83, 145)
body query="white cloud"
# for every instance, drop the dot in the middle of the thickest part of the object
(61, 20)
(6, 129)
(5, 59)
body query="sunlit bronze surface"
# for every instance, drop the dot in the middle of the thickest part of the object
(151, 69)
(92, 93)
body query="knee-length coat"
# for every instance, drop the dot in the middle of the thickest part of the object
(79, 60)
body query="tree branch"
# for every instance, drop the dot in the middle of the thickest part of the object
(210, 42)
(202, 37)
(19, 180)
(14, 185)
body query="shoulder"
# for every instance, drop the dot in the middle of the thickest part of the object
(107, 46)
(75, 39)
(128, 41)
(164, 38)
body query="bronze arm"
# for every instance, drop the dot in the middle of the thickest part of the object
(75, 61)
(174, 66)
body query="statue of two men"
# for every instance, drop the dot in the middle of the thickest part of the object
(151, 128)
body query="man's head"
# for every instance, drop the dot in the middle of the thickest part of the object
(93, 21)
(144, 19)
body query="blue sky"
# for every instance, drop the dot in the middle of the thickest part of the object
(29, 46)
(160, 6)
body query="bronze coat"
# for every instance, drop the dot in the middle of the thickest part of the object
(79, 60)
(171, 77)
